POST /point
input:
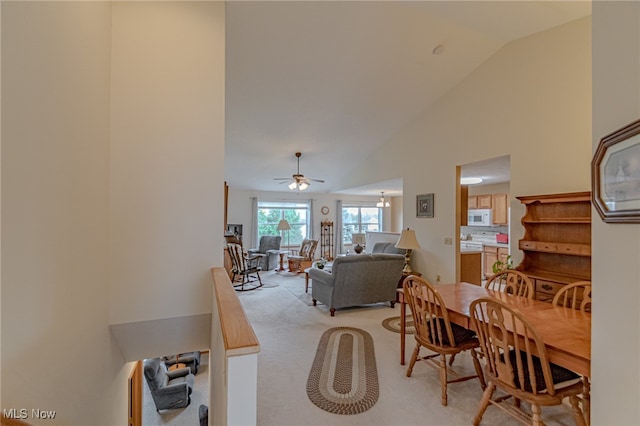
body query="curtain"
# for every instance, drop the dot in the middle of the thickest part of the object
(338, 227)
(254, 221)
(311, 224)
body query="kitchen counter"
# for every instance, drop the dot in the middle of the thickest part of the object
(469, 250)
(502, 245)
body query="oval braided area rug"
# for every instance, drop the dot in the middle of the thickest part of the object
(393, 324)
(344, 376)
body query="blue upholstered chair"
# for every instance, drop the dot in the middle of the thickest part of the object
(270, 247)
(189, 359)
(169, 389)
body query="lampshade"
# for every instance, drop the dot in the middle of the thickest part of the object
(283, 225)
(408, 240)
(382, 202)
(293, 185)
(357, 238)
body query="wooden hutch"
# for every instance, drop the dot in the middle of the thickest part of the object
(557, 241)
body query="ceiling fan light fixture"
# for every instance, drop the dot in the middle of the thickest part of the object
(298, 181)
(470, 180)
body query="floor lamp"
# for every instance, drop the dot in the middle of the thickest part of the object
(283, 225)
(408, 242)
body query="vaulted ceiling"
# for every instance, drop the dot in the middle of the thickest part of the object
(335, 80)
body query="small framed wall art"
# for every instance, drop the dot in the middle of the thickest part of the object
(615, 175)
(424, 205)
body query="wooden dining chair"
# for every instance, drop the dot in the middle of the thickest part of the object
(435, 332)
(575, 296)
(517, 364)
(513, 282)
(578, 296)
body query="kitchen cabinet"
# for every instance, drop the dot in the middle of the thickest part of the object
(497, 203)
(557, 241)
(491, 254)
(464, 205)
(500, 209)
(484, 201)
(479, 201)
(471, 267)
(472, 202)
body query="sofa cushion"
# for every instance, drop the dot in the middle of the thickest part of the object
(389, 248)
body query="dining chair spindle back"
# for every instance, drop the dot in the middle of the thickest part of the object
(435, 332)
(517, 363)
(513, 282)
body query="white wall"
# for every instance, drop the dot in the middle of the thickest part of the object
(532, 101)
(112, 189)
(167, 144)
(57, 353)
(615, 341)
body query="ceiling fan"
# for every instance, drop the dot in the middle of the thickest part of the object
(297, 180)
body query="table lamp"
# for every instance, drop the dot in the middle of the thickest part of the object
(408, 242)
(283, 225)
(357, 239)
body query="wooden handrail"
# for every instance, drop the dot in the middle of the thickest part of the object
(237, 332)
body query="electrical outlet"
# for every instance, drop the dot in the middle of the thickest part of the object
(448, 241)
(438, 278)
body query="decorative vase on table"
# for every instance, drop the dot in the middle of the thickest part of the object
(320, 263)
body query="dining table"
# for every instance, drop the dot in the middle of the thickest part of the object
(566, 332)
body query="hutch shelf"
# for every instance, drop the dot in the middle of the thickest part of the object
(557, 241)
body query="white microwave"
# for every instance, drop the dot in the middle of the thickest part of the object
(479, 217)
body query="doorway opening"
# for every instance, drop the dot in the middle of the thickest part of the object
(484, 218)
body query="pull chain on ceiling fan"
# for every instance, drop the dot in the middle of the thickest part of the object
(297, 180)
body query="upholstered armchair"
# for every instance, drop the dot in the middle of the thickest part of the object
(169, 389)
(189, 359)
(270, 247)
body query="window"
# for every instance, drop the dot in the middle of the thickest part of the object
(360, 219)
(297, 214)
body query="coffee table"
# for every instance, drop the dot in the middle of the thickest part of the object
(176, 366)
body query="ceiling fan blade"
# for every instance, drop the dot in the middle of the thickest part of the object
(316, 180)
(282, 178)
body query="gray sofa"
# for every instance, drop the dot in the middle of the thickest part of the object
(270, 247)
(357, 280)
(389, 248)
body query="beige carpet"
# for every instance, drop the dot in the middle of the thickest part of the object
(289, 331)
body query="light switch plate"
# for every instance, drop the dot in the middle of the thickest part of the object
(448, 241)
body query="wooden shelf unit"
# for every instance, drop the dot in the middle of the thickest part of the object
(326, 240)
(557, 240)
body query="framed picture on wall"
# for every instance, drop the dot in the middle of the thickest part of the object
(424, 205)
(615, 174)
